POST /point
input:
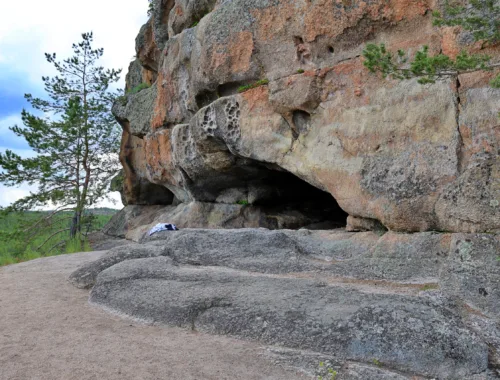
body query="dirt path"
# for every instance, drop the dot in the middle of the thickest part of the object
(48, 331)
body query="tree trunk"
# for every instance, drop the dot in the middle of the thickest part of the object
(75, 223)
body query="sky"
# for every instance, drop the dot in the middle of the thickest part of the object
(30, 28)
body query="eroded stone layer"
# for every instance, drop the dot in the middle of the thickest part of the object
(408, 156)
(412, 306)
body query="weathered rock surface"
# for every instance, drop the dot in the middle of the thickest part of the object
(404, 305)
(295, 312)
(399, 154)
(133, 222)
(316, 142)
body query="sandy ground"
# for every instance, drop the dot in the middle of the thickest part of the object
(49, 331)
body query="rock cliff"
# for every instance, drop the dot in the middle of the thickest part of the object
(260, 113)
(318, 136)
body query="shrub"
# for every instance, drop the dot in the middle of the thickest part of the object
(151, 8)
(138, 88)
(122, 100)
(327, 373)
(259, 83)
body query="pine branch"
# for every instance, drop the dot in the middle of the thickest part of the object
(51, 236)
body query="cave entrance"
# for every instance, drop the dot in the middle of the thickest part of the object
(298, 203)
(280, 199)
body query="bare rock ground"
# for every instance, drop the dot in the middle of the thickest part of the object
(49, 331)
(405, 306)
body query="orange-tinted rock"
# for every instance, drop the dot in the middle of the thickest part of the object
(412, 157)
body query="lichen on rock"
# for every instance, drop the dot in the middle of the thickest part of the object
(398, 153)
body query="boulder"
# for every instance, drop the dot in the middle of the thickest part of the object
(418, 305)
(398, 331)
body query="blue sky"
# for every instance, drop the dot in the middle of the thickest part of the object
(30, 28)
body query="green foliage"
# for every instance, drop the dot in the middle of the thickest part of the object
(247, 87)
(138, 88)
(243, 202)
(300, 71)
(151, 7)
(327, 373)
(76, 144)
(495, 82)
(79, 243)
(122, 99)
(377, 362)
(425, 67)
(480, 17)
(117, 182)
(429, 287)
(19, 243)
(198, 18)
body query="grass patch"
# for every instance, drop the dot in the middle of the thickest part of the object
(326, 372)
(247, 87)
(300, 71)
(243, 202)
(138, 88)
(197, 20)
(123, 99)
(429, 287)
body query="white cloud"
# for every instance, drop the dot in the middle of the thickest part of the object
(115, 202)
(7, 122)
(32, 27)
(8, 140)
(9, 195)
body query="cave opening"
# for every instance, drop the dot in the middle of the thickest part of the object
(284, 200)
(284, 193)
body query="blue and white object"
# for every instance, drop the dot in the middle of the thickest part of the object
(163, 227)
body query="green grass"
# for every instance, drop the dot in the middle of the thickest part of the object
(259, 83)
(327, 373)
(16, 248)
(138, 88)
(243, 202)
(123, 99)
(429, 287)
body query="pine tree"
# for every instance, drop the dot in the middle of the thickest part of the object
(480, 18)
(76, 144)
(151, 7)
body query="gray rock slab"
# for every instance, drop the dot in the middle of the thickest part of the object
(473, 271)
(402, 332)
(410, 258)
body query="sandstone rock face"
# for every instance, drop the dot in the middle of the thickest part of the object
(260, 113)
(396, 306)
(407, 156)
